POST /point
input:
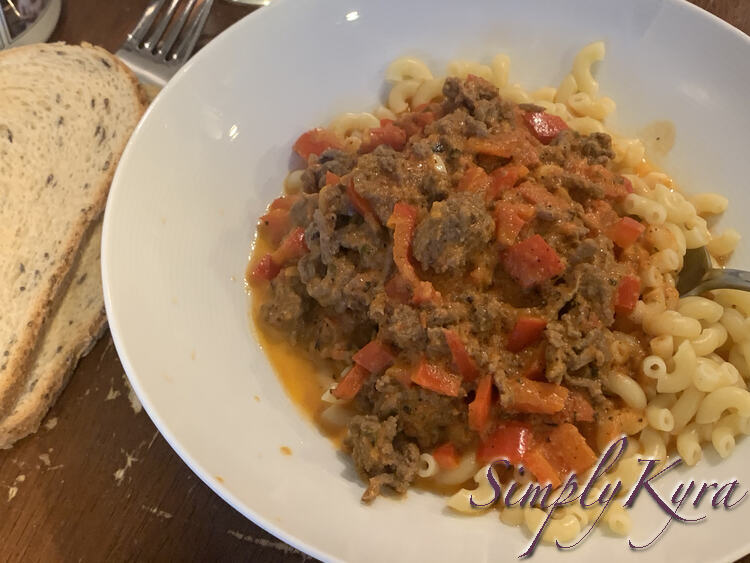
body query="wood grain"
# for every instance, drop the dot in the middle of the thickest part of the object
(102, 484)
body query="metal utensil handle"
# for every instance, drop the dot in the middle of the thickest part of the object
(4, 31)
(722, 279)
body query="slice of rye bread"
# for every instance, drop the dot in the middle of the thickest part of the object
(73, 328)
(66, 113)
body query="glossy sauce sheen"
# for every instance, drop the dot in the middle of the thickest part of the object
(300, 373)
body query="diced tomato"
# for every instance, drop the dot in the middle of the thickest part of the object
(361, 205)
(331, 178)
(398, 289)
(628, 185)
(389, 134)
(537, 397)
(464, 362)
(577, 409)
(265, 270)
(490, 146)
(446, 456)
(527, 330)
(374, 356)
(532, 261)
(571, 452)
(437, 379)
(628, 291)
(544, 126)
(504, 178)
(403, 221)
(534, 368)
(510, 441)
(473, 180)
(351, 383)
(292, 247)
(315, 141)
(510, 219)
(479, 408)
(275, 224)
(536, 461)
(625, 232)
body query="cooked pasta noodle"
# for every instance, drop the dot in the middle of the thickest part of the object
(582, 63)
(401, 93)
(407, 68)
(428, 467)
(709, 204)
(691, 389)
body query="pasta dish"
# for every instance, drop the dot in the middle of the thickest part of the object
(480, 272)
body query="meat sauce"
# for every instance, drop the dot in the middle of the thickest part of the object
(462, 279)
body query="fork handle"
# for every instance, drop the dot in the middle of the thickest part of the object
(719, 278)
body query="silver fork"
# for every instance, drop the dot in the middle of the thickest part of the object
(153, 55)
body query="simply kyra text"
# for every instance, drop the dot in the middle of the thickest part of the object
(589, 495)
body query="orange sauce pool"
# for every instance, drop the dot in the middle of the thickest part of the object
(302, 375)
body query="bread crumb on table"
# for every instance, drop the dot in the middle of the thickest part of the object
(273, 544)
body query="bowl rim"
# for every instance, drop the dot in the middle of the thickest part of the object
(221, 489)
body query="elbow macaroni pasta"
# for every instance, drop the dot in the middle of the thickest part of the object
(693, 388)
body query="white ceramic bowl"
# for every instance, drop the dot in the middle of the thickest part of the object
(213, 150)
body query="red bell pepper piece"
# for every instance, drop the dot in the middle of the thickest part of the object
(532, 261)
(509, 440)
(265, 270)
(537, 397)
(479, 408)
(628, 291)
(446, 456)
(315, 141)
(464, 362)
(374, 356)
(388, 134)
(361, 205)
(403, 221)
(504, 178)
(544, 126)
(625, 232)
(527, 330)
(292, 247)
(437, 379)
(474, 179)
(351, 383)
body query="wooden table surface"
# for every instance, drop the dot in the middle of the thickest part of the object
(98, 482)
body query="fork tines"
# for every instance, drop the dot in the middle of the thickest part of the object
(166, 21)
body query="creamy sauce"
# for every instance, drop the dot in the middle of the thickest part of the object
(303, 377)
